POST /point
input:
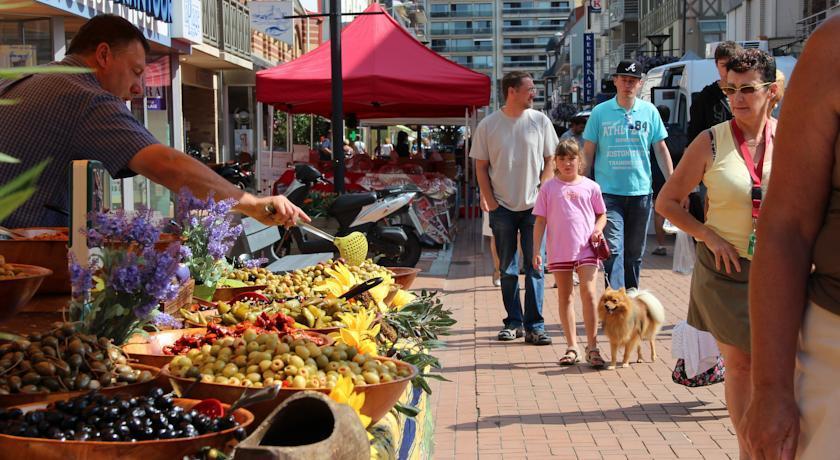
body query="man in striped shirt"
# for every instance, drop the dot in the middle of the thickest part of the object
(67, 117)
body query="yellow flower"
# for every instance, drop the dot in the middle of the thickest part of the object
(340, 281)
(401, 299)
(344, 393)
(381, 291)
(361, 341)
(360, 321)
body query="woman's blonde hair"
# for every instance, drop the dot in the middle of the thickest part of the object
(780, 92)
(568, 148)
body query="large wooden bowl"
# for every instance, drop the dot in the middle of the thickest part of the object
(51, 449)
(405, 276)
(379, 398)
(50, 254)
(133, 389)
(149, 350)
(18, 291)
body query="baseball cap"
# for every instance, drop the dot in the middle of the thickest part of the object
(629, 68)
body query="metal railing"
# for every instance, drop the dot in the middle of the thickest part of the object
(546, 28)
(807, 25)
(623, 51)
(531, 11)
(461, 49)
(461, 14)
(623, 10)
(660, 17)
(527, 64)
(227, 26)
(524, 46)
(464, 31)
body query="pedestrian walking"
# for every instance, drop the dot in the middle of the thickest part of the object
(512, 149)
(618, 135)
(733, 159)
(795, 284)
(571, 213)
(711, 107)
(575, 131)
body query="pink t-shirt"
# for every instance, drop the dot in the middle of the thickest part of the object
(569, 210)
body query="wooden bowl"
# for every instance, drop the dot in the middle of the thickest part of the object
(227, 294)
(405, 276)
(379, 398)
(133, 389)
(50, 254)
(149, 350)
(18, 291)
(51, 449)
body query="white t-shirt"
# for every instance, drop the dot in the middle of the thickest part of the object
(385, 149)
(517, 149)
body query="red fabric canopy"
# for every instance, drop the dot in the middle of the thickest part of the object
(387, 73)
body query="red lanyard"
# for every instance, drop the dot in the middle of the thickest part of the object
(755, 169)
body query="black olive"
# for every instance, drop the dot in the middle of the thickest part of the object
(138, 412)
(133, 402)
(189, 431)
(240, 434)
(69, 434)
(43, 426)
(123, 406)
(148, 433)
(34, 417)
(164, 433)
(124, 431)
(227, 422)
(31, 431)
(83, 436)
(113, 412)
(53, 432)
(156, 392)
(15, 414)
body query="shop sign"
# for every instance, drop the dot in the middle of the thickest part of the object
(187, 24)
(155, 103)
(588, 66)
(154, 29)
(158, 9)
(595, 6)
(270, 19)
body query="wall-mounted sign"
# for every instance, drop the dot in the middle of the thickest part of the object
(187, 24)
(155, 103)
(588, 66)
(270, 19)
(595, 6)
(158, 9)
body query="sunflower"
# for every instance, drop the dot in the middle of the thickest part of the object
(401, 299)
(344, 393)
(340, 281)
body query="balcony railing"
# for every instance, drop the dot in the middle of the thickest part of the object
(464, 31)
(461, 49)
(462, 14)
(537, 11)
(660, 17)
(524, 46)
(807, 25)
(527, 64)
(623, 51)
(227, 26)
(623, 10)
(545, 28)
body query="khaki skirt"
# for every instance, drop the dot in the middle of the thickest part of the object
(718, 302)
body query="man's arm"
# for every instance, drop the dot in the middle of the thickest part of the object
(663, 158)
(488, 200)
(588, 157)
(175, 170)
(791, 217)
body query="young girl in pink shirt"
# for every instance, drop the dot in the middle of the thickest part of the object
(571, 210)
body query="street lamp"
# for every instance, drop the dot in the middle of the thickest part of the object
(657, 40)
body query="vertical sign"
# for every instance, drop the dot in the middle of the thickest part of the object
(588, 67)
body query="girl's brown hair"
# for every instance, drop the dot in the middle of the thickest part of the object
(568, 148)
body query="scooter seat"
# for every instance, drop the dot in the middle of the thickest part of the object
(352, 201)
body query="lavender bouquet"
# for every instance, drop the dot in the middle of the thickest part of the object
(117, 294)
(208, 233)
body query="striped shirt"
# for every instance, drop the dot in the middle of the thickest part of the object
(63, 117)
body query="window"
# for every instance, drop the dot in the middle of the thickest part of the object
(25, 42)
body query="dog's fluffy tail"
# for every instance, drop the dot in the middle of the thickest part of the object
(654, 306)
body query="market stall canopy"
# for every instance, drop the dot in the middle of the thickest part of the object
(387, 73)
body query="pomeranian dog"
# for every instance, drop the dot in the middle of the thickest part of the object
(629, 318)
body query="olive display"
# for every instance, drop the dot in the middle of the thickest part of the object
(63, 359)
(254, 360)
(310, 313)
(96, 417)
(301, 283)
(8, 271)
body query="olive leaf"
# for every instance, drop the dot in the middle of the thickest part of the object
(15, 192)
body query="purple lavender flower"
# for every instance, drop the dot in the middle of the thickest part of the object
(81, 279)
(255, 263)
(162, 319)
(126, 276)
(142, 228)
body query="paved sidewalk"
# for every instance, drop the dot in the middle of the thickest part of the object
(513, 399)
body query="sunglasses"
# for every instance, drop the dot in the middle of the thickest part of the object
(746, 89)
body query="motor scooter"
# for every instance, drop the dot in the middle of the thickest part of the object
(371, 213)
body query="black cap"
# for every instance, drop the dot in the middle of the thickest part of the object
(629, 68)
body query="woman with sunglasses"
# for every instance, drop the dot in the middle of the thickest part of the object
(733, 159)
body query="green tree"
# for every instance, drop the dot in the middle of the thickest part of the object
(301, 123)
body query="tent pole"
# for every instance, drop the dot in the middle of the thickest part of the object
(337, 96)
(468, 209)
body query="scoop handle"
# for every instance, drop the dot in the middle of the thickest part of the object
(315, 231)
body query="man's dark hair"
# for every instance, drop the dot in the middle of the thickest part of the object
(754, 59)
(117, 32)
(727, 50)
(513, 80)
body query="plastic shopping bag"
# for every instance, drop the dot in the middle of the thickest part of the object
(683, 253)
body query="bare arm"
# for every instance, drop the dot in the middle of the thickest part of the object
(663, 159)
(548, 169)
(539, 230)
(791, 217)
(588, 157)
(488, 201)
(175, 170)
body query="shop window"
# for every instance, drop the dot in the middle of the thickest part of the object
(24, 42)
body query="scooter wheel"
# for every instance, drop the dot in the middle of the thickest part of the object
(410, 254)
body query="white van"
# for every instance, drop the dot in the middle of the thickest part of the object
(674, 85)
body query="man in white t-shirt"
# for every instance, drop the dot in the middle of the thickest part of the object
(513, 149)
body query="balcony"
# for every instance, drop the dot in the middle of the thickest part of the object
(462, 49)
(528, 29)
(561, 12)
(462, 14)
(524, 64)
(227, 26)
(623, 51)
(620, 11)
(806, 26)
(524, 46)
(660, 18)
(464, 31)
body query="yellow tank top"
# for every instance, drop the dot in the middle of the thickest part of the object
(729, 190)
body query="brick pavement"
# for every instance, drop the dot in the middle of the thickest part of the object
(514, 399)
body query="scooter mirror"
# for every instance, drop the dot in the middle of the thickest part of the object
(307, 173)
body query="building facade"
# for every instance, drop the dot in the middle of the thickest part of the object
(702, 22)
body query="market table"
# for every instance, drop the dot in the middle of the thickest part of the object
(397, 436)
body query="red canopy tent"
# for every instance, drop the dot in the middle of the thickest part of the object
(387, 73)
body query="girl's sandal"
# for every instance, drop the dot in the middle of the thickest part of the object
(570, 358)
(593, 357)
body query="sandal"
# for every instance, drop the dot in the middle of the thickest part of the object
(593, 357)
(570, 358)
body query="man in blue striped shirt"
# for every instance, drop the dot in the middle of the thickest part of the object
(68, 117)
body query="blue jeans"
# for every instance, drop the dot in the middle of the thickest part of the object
(505, 225)
(626, 232)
